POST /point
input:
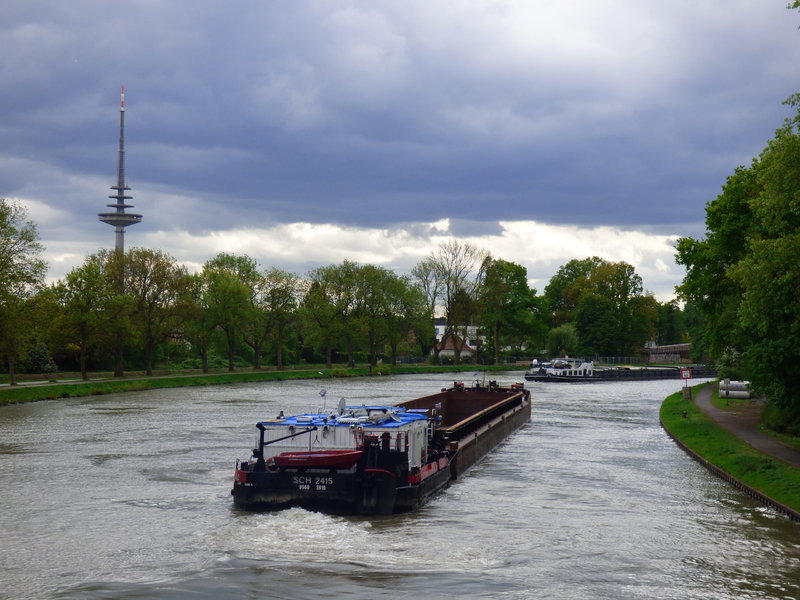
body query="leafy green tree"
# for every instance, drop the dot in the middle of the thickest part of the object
(231, 282)
(633, 312)
(776, 211)
(509, 311)
(708, 284)
(744, 276)
(21, 273)
(536, 326)
(408, 316)
(118, 306)
(696, 327)
(254, 326)
(566, 288)
(15, 328)
(671, 324)
(596, 325)
(616, 281)
(198, 322)
(21, 267)
(377, 289)
(156, 283)
(85, 321)
(280, 292)
(770, 319)
(363, 307)
(563, 340)
(317, 312)
(769, 274)
(340, 283)
(642, 325)
(462, 313)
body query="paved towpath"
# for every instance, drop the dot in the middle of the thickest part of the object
(742, 421)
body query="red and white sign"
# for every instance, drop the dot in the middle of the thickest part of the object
(686, 373)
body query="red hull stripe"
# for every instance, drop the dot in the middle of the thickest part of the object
(428, 470)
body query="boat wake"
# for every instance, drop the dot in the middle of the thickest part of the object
(297, 536)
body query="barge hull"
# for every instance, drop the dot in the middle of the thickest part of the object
(475, 446)
(411, 497)
(284, 489)
(642, 374)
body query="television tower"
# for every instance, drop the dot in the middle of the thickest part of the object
(120, 219)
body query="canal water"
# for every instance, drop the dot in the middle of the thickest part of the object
(128, 496)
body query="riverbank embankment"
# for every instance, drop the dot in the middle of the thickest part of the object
(734, 448)
(55, 388)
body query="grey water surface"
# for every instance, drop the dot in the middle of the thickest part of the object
(128, 496)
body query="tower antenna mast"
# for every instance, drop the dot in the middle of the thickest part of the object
(119, 219)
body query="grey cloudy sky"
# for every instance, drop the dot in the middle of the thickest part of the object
(306, 132)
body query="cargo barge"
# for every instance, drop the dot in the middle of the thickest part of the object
(372, 460)
(576, 370)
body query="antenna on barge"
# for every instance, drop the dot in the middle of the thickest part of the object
(120, 219)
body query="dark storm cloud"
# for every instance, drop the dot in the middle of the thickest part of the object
(371, 114)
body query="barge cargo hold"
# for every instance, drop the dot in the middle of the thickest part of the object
(367, 460)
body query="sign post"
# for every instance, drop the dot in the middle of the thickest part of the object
(686, 375)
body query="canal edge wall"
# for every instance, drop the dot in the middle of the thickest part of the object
(721, 473)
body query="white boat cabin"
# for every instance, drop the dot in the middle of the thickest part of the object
(400, 429)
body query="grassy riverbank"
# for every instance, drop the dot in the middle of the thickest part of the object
(56, 388)
(768, 475)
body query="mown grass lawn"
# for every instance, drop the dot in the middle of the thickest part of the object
(31, 392)
(771, 476)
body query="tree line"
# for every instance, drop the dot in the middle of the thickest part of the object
(141, 309)
(744, 276)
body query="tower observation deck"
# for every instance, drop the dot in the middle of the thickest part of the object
(120, 219)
